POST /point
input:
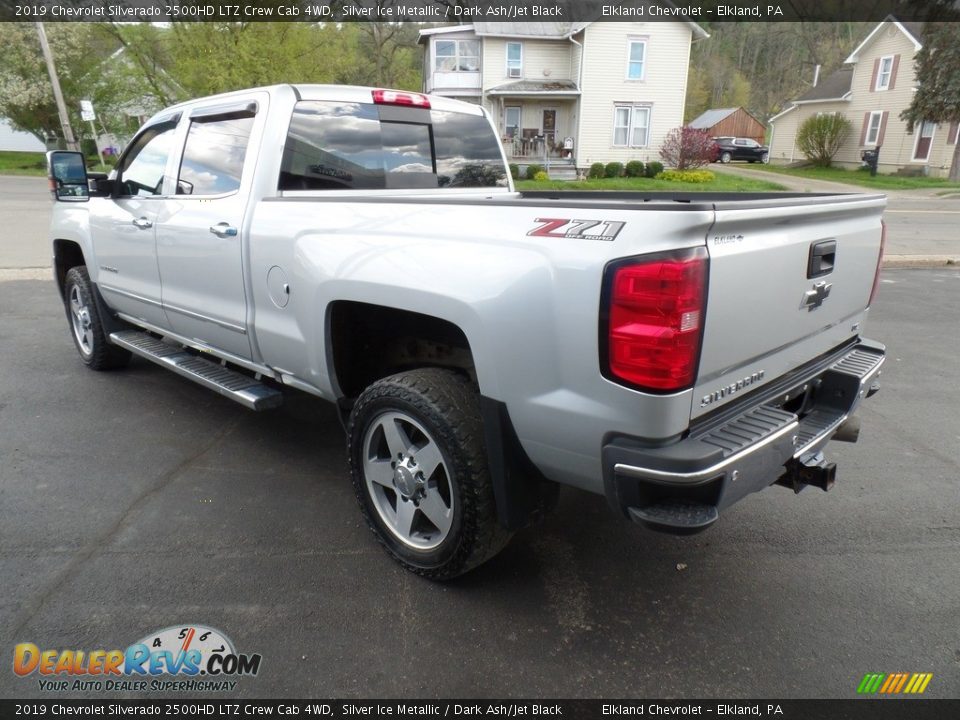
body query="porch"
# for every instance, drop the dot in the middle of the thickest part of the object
(537, 121)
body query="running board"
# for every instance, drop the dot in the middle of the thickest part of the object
(236, 386)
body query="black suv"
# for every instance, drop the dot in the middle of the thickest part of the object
(735, 148)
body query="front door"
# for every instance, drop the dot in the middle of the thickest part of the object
(549, 128)
(124, 225)
(200, 231)
(924, 141)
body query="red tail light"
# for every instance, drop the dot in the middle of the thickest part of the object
(876, 277)
(656, 307)
(394, 97)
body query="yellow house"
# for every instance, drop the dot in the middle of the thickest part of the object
(873, 87)
(568, 94)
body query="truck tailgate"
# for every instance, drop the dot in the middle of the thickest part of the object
(787, 283)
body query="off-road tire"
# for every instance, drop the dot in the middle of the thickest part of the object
(96, 352)
(447, 405)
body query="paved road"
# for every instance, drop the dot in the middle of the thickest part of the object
(135, 500)
(919, 225)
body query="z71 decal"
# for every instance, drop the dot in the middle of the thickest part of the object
(578, 229)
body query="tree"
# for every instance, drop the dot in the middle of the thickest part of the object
(686, 148)
(937, 98)
(820, 137)
(85, 68)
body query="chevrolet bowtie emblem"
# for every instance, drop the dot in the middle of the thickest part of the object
(814, 298)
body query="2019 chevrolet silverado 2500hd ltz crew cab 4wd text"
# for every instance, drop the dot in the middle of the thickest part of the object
(673, 353)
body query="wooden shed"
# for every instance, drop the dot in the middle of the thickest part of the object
(730, 122)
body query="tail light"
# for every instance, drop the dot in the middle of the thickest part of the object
(655, 307)
(395, 97)
(876, 276)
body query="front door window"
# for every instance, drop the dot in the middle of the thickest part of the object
(549, 127)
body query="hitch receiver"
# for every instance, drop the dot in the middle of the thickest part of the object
(811, 470)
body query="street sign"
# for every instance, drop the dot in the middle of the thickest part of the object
(86, 111)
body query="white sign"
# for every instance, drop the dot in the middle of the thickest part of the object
(86, 111)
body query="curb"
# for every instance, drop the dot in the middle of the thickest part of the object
(920, 261)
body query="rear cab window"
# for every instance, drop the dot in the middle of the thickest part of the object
(363, 146)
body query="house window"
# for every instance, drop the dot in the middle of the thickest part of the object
(884, 73)
(873, 128)
(457, 56)
(514, 59)
(636, 59)
(511, 121)
(631, 125)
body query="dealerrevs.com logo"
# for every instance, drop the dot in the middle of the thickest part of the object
(180, 658)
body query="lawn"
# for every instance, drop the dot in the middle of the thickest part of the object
(722, 183)
(23, 163)
(862, 178)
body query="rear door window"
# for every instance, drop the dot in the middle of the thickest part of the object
(213, 156)
(334, 145)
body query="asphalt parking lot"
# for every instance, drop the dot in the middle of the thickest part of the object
(135, 500)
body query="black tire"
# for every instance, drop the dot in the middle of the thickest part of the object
(86, 328)
(446, 406)
(765, 158)
(725, 157)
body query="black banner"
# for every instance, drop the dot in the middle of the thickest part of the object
(855, 709)
(466, 11)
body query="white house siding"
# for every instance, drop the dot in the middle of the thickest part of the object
(543, 61)
(604, 85)
(783, 140)
(17, 140)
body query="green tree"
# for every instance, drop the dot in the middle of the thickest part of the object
(820, 137)
(87, 70)
(937, 98)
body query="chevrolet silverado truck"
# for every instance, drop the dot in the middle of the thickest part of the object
(672, 352)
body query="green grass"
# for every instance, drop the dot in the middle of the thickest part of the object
(23, 163)
(861, 178)
(722, 183)
(35, 163)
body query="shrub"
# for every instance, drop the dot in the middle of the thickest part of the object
(634, 168)
(532, 170)
(88, 147)
(613, 170)
(687, 176)
(686, 148)
(653, 169)
(820, 137)
(514, 171)
(541, 175)
(596, 171)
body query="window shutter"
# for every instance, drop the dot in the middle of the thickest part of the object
(893, 72)
(866, 126)
(952, 134)
(876, 71)
(883, 128)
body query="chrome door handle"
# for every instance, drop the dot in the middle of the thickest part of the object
(143, 223)
(223, 230)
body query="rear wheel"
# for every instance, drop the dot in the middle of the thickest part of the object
(765, 158)
(95, 350)
(420, 473)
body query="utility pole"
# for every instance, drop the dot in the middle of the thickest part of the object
(57, 94)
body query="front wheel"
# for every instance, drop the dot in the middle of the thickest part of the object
(419, 471)
(725, 158)
(88, 333)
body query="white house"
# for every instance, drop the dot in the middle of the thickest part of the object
(568, 93)
(873, 87)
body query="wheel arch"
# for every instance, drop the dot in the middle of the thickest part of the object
(66, 254)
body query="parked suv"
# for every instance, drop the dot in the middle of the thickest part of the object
(735, 148)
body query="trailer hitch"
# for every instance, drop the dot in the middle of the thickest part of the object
(811, 470)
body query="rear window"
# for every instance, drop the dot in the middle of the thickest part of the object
(348, 146)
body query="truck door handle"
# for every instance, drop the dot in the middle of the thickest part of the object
(143, 223)
(223, 230)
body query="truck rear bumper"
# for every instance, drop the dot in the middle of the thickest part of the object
(776, 435)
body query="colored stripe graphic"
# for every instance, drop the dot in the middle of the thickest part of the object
(894, 683)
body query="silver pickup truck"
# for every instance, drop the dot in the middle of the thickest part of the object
(484, 346)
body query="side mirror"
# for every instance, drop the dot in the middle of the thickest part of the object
(67, 172)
